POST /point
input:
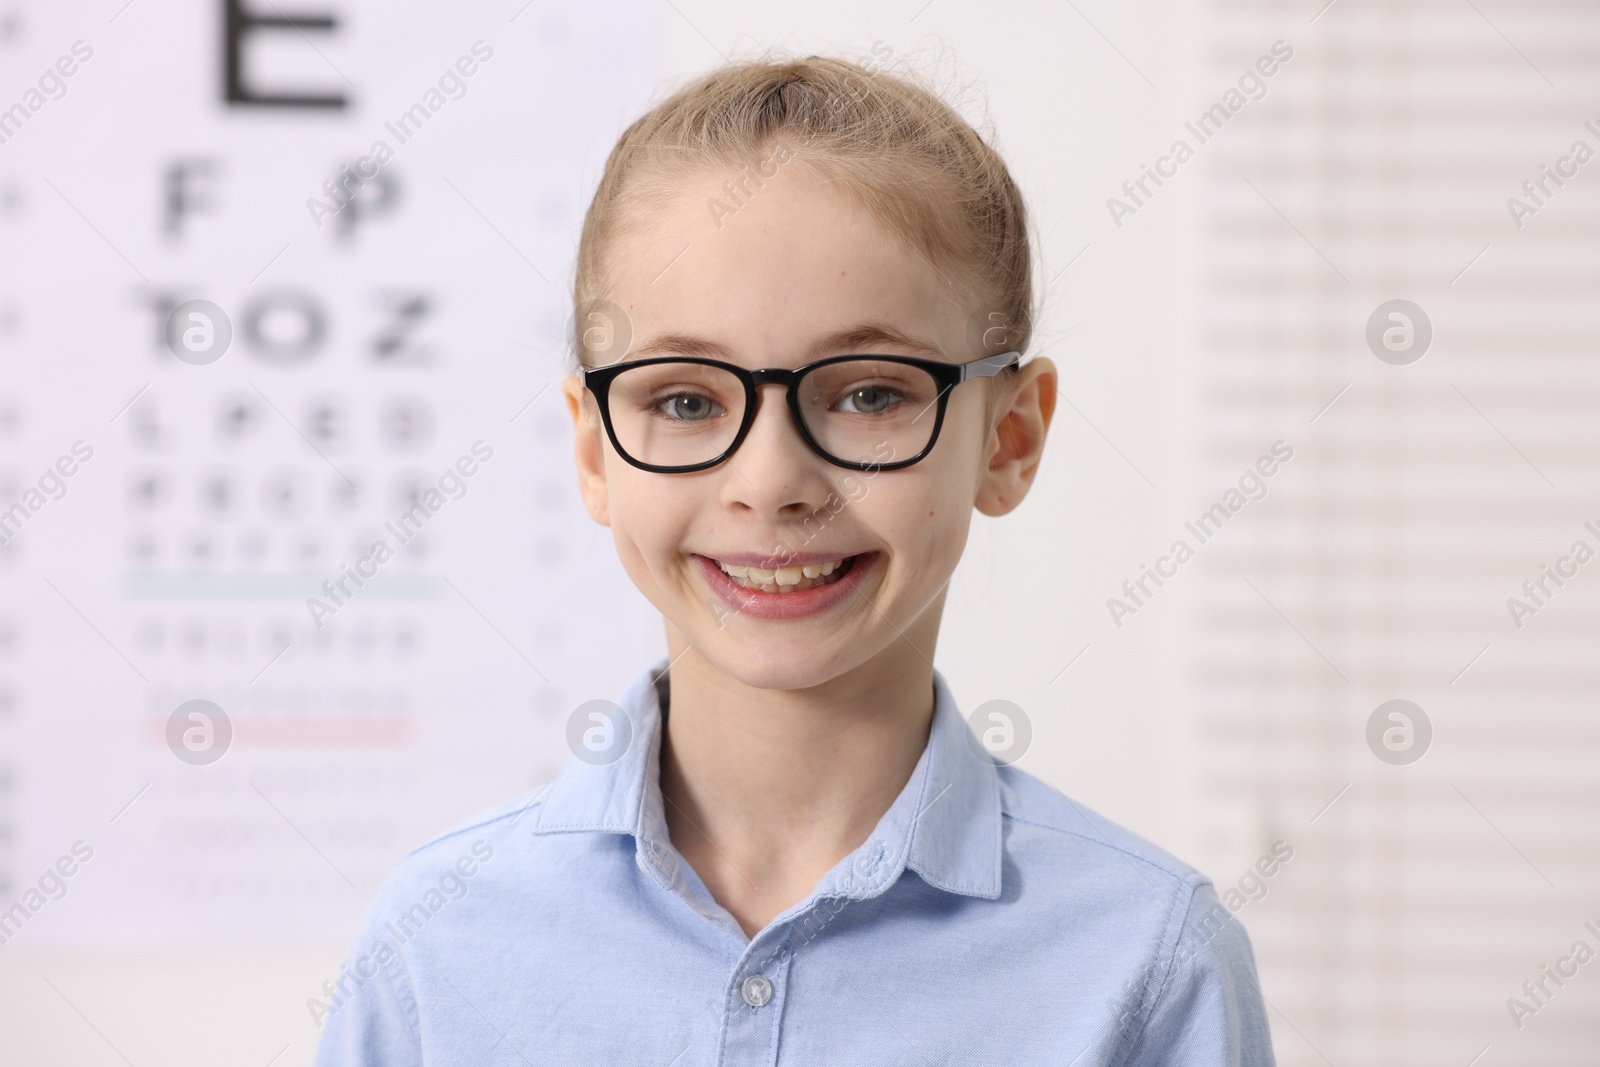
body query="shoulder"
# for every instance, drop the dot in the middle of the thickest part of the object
(497, 819)
(1107, 877)
(467, 845)
(1188, 984)
(1050, 822)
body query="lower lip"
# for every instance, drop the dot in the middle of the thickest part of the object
(796, 605)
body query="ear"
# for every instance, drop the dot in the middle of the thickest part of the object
(589, 449)
(1016, 440)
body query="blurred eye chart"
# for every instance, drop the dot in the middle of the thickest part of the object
(284, 460)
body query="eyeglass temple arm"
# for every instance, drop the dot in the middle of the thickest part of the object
(988, 366)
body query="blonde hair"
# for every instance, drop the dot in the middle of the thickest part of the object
(908, 158)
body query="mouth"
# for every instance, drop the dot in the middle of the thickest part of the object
(790, 579)
(798, 590)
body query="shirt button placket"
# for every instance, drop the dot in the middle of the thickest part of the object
(750, 1028)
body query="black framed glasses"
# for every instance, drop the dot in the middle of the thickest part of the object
(672, 414)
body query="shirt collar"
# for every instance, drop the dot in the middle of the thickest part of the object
(945, 824)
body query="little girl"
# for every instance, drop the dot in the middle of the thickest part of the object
(803, 290)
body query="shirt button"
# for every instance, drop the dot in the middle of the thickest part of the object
(756, 990)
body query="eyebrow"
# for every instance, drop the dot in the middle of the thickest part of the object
(854, 340)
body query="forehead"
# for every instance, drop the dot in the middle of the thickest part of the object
(798, 261)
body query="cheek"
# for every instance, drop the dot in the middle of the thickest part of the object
(965, 436)
(931, 511)
(923, 518)
(649, 516)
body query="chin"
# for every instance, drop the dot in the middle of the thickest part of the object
(763, 661)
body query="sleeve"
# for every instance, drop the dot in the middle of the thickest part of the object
(368, 1014)
(1209, 1011)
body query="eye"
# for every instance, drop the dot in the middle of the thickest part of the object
(868, 400)
(688, 407)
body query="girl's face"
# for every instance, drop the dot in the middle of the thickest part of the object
(799, 273)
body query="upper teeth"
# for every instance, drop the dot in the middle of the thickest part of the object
(782, 579)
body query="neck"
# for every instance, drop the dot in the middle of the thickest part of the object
(766, 790)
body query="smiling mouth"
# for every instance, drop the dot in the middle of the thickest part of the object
(787, 579)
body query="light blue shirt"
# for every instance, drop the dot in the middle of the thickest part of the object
(988, 919)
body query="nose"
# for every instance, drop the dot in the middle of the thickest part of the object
(774, 473)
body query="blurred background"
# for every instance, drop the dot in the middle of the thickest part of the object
(1369, 270)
